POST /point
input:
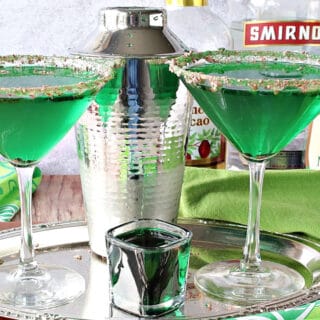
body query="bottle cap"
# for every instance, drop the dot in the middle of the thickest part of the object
(187, 3)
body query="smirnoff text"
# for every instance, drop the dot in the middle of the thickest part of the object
(281, 33)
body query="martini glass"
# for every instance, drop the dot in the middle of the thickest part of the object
(41, 98)
(260, 101)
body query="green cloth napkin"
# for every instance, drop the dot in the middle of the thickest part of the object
(290, 203)
(290, 199)
(310, 311)
(9, 190)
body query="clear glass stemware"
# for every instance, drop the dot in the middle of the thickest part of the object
(260, 101)
(40, 100)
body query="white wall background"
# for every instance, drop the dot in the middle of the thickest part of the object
(52, 27)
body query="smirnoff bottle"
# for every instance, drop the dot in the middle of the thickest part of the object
(200, 29)
(278, 25)
(275, 25)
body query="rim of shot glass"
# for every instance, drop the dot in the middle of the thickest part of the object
(184, 234)
(97, 72)
(180, 67)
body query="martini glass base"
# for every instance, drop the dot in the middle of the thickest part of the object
(41, 288)
(226, 282)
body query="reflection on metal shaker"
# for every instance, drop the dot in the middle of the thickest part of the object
(131, 142)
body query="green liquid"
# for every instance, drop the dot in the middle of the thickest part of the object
(109, 95)
(31, 127)
(157, 274)
(164, 86)
(258, 123)
(149, 237)
(136, 103)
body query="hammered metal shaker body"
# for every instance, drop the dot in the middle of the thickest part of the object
(131, 141)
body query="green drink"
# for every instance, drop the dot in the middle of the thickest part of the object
(259, 122)
(154, 258)
(41, 98)
(260, 101)
(30, 127)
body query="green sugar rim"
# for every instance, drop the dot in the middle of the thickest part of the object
(216, 82)
(101, 69)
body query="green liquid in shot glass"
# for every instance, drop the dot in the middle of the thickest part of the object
(151, 272)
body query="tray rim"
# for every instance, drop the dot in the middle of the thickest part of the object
(304, 296)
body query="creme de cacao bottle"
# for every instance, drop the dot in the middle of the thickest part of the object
(200, 29)
(275, 25)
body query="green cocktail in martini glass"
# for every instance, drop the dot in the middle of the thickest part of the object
(41, 98)
(260, 101)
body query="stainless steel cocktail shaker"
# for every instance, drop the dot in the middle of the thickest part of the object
(131, 142)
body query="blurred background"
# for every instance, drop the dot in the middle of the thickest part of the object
(52, 28)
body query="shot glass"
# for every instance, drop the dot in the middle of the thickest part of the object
(148, 262)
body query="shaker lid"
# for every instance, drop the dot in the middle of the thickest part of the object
(132, 32)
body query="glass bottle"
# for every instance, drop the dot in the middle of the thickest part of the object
(200, 29)
(275, 25)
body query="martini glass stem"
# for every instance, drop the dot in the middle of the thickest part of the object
(27, 261)
(251, 260)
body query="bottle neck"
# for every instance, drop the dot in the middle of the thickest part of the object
(187, 3)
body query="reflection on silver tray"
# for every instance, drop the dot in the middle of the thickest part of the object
(67, 244)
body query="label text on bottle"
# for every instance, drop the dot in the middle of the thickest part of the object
(257, 33)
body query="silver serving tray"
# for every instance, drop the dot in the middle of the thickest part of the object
(67, 244)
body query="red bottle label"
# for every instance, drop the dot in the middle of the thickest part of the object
(264, 33)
